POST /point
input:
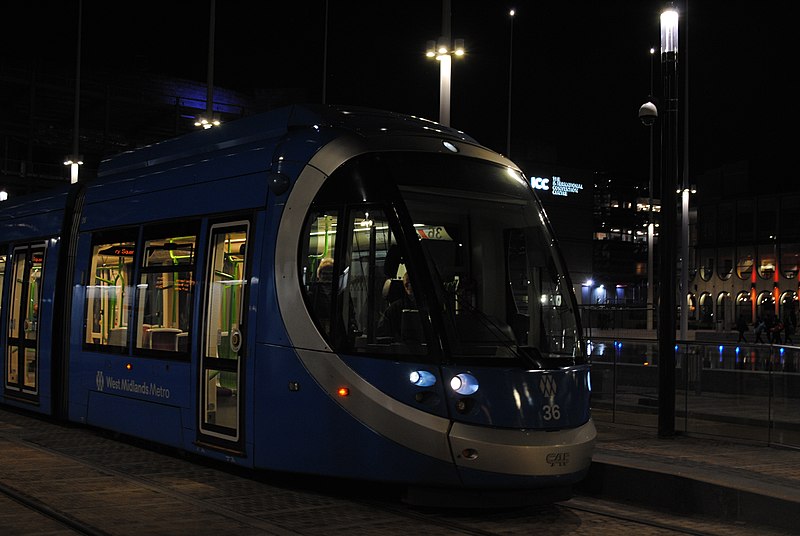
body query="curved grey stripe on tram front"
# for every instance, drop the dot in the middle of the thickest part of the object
(385, 415)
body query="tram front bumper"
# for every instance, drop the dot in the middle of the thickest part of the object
(524, 453)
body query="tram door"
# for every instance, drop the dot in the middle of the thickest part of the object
(21, 375)
(222, 348)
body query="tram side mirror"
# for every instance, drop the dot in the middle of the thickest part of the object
(278, 183)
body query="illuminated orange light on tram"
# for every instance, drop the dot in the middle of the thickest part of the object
(343, 391)
(128, 366)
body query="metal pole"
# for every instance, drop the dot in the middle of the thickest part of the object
(684, 303)
(445, 67)
(74, 159)
(650, 222)
(650, 241)
(77, 83)
(685, 197)
(669, 183)
(510, 65)
(210, 86)
(325, 56)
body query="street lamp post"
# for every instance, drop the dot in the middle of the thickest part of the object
(443, 50)
(208, 120)
(684, 287)
(669, 183)
(685, 189)
(75, 160)
(648, 113)
(510, 65)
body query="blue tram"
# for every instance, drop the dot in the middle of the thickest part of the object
(322, 290)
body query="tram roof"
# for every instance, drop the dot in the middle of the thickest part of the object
(274, 124)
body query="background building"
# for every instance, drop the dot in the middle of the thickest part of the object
(748, 248)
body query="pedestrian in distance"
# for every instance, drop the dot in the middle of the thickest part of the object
(758, 328)
(789, 325)
(741, 327)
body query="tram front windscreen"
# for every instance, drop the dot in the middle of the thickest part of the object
(414, 255)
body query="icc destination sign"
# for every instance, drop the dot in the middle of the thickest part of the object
(556, 185)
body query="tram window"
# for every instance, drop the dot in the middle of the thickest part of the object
(361, 299)
(25, 299)
(317, 267)
(378, 307)
(108, 292)
(226, 287)
(164, 294)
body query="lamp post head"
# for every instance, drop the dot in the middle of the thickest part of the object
(441, 48)
(669, 31)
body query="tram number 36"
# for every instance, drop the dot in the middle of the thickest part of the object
(551, 412)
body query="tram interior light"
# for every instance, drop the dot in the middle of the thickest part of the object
(464, 384)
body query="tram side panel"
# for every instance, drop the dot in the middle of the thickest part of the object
(31, 241)
(131, 389)
(113, 384)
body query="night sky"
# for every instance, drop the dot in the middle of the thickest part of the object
(581, 69)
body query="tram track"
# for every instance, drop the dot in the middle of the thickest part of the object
(624, 513)
(40, 508)
(80, 527)
(274, 504)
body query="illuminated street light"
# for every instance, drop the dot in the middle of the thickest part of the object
(206, 123)
(443, 51)
(669, 182)
(73, 161)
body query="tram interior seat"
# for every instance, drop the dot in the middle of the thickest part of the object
(164, 338)
(182, 342)
(146, 335)
(393, 286)
(118, 336)
(393, 290)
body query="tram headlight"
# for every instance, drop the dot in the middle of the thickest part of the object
(422, 378)
(464, 384)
